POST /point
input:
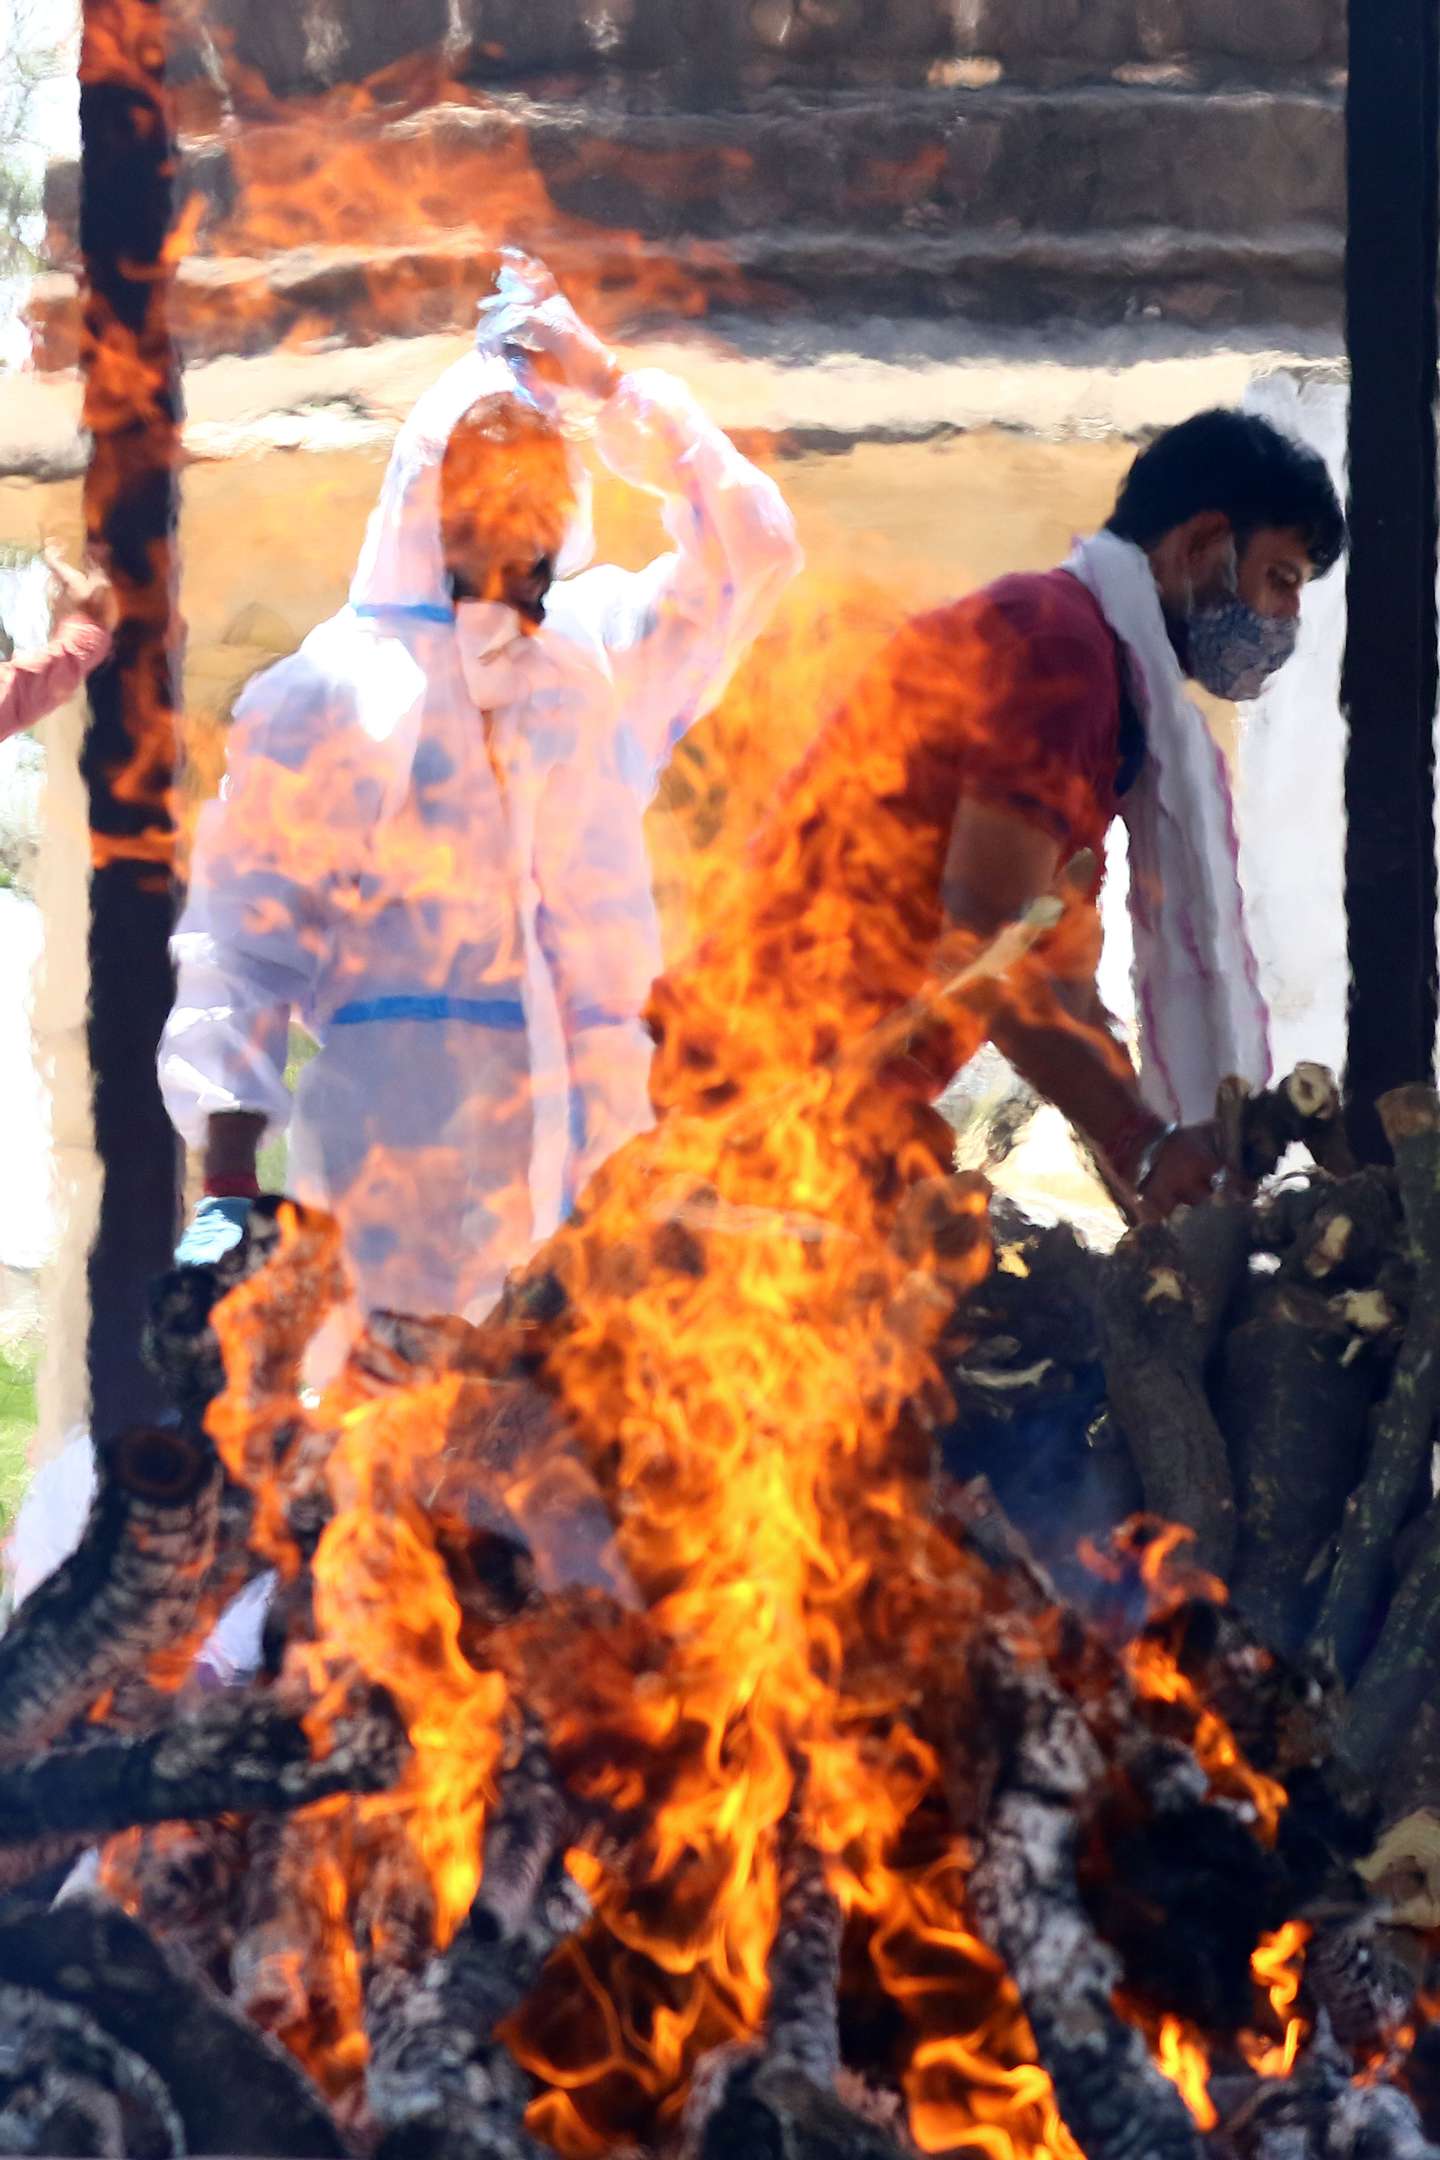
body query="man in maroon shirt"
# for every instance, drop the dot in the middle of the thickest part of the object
(995, 741)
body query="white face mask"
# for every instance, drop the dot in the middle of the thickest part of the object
(484, 627)
(488, 635)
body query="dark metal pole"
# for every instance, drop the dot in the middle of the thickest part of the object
(1390, 678)
(131, 756)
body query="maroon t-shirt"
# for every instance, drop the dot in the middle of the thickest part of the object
(1014, 696)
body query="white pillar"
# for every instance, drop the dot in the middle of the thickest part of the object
(1292, 776)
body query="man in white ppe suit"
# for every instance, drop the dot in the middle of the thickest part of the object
(429, 845)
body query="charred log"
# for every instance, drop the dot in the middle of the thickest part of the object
(1182, 1895)
(67, 2087)
(288, 1971)
(227, 1754)
(974, 1518)
(802, 2021)
(1364, 1977)
(1320, 2114)
(440, 2083)
(393, 1915)
(182, 1883)
(223, 2077)
(1026, 1903)
(129, 1590)
(1280, 1711)
(1377, 2122)
(779, 2099)
(524, 1836)
(39, 1868)
(181, 1347)
(771, 2111)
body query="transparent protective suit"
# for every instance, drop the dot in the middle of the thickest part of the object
(429, 849)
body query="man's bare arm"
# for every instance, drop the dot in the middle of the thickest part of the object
(1053, 1027)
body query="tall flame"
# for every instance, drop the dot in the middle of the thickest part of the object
(754, 1295)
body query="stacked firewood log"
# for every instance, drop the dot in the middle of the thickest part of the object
(1266, 1371)
(1149, 1776)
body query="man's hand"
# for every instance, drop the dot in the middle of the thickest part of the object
(543, 330)
(1183, 1171)
(82, 592)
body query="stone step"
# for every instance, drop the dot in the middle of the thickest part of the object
(1090, 160)
(311, 296)
(729, 44)
(1039, 35)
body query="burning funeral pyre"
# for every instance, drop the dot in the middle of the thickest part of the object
(653, 1750)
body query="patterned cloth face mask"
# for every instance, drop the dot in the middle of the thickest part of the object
(1233, 648)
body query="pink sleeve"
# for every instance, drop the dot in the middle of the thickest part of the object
(29, 689)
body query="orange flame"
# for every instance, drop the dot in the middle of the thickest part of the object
(1278, 1966)
(755, 1293)
(1181, 2055)
(1156, 1550)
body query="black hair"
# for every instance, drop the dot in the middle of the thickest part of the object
(1240, 465)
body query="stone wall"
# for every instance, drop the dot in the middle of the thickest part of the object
(1008, 163)
(730, 45)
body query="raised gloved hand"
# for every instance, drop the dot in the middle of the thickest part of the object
(87, 593)
(531, 322)
(215, 1228)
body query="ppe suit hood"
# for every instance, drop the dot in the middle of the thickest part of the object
(402, 564)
